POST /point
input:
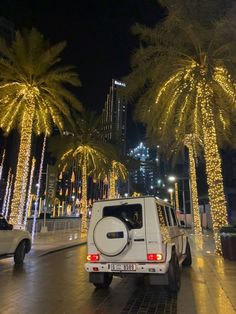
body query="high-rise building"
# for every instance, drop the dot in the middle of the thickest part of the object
(114, 115)
(143, 179)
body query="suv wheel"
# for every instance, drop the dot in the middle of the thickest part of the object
(20, 253)
(188, 259)
(174, 275)
(111, 236)
(106, 283)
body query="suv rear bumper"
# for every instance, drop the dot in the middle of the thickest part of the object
(139, 268)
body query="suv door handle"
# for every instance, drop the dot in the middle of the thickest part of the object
(139, 240)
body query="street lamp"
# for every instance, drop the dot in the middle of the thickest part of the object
(174, 179)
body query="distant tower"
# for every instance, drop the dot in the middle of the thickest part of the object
(145, 176)
(114, 115)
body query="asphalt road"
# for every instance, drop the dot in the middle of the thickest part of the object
(57, 283)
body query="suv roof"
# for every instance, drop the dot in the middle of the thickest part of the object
(135, 197)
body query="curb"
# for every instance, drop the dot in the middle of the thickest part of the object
(61, 248)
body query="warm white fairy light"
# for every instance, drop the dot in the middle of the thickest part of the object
(213, 164)
(28, 203)
(164, 229)
(84, 196)
(31, 101)
(9, 197)
(0, 173)
(112, 184)
(19, 192)
(22, 200)
(118, 170)
(222, 77)
(2, 163)
(6, 192)
(176, 197)
(189, 143)
(197, 108)
(172, 79)
(38, 188)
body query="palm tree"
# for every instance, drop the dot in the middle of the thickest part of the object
(183, 75)
(118, 171)
(86, 150)
(33, 97)
(170, 148)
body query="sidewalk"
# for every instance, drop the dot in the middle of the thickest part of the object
(209, 286)
(48, 242)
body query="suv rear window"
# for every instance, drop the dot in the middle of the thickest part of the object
(131, 214)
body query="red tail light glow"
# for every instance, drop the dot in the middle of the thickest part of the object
(93, 257)
(154, 257)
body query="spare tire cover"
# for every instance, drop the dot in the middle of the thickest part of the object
(110, 236)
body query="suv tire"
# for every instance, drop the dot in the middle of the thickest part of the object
(19, 254)
(188, 259)
(107, 281)
(174, 275)
(110, 236)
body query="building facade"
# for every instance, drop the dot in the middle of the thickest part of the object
(114, 116)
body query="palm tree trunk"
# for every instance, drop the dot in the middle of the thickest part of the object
(9, 197)
(176, 196)
(112, 184)
(193, 181)
(22, 170)
(213, 169)
(84, 196)
(6, 193)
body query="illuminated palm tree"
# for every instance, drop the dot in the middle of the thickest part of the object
(33, 97)
(118, 171)
(184, 75)
(86, 150)
(190, 143)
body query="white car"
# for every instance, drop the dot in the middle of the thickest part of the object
(136, 236)
(13, 242)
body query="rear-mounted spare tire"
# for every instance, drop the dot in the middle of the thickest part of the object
(110, 236)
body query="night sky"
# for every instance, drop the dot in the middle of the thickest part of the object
(98, 36)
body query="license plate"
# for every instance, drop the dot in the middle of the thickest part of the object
(123, 267)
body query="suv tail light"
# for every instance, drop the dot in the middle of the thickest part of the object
(93, 257)
(154, 257)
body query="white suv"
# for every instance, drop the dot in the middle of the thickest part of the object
(13, 242)
(136, 236)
